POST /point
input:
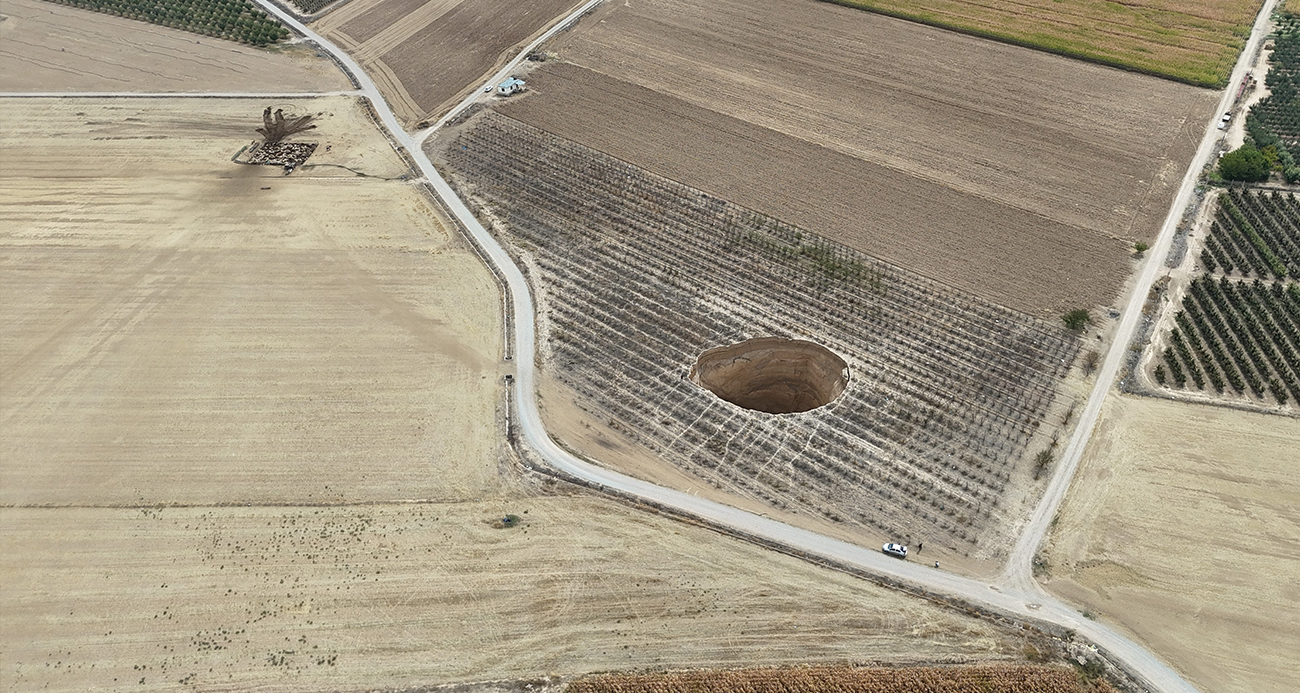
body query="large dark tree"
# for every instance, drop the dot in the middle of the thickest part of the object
(1245, 164)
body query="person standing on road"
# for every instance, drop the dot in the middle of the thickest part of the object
(936, 564)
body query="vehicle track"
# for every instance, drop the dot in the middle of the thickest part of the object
(1015, 592)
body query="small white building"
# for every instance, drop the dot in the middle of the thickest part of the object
(510, 86)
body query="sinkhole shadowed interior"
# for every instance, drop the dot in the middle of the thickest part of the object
(772, 374)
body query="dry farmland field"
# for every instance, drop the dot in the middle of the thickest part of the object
(399, 596)
(638, 274)
(1181, 527)
(1196, 42)
(48, 47)
(250, 442)
(424, 54)
(1017, 175)
(977, 679)
(183, 329)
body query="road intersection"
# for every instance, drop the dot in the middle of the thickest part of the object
(1015, 592)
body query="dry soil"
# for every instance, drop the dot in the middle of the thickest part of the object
(1022, 176)
(395, 596)
(1181, 526)
(425, 54)
(49, 47)
(180, 328)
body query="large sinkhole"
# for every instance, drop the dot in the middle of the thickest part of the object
(772, 374)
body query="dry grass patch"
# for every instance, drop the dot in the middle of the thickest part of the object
(1181, 527)
(977, 679)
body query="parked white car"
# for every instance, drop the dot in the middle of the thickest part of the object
(897, 550)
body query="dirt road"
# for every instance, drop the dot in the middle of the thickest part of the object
(1019, 566)
(1021, 596)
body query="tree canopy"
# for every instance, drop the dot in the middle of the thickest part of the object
(1245, 164)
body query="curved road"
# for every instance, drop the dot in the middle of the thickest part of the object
(1015, 592)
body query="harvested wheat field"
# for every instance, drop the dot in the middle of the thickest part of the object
(1181, 527)
(1021, 176)
(425, 54)
(183, 329)
(47, 47)
(397, 596)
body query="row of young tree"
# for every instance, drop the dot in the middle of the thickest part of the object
(313, 6)
(1238, 336)
(1254, 234)
(235, 20)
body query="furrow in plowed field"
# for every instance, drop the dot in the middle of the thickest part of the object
(639, 274)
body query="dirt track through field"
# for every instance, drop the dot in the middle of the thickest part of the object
(1025, 132)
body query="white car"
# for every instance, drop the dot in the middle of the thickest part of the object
(897, 550)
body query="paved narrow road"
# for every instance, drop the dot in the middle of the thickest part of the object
(1015, 592)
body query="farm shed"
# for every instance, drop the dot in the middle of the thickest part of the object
(513, 85)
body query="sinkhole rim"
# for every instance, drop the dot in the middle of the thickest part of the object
(772, 375)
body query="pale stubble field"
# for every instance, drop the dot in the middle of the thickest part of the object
(1181, 527)
(48, 47)
(184, 329)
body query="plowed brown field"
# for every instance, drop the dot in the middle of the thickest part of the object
(425, 53)
(1016, 174)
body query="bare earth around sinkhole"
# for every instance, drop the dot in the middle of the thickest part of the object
(772, 374)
